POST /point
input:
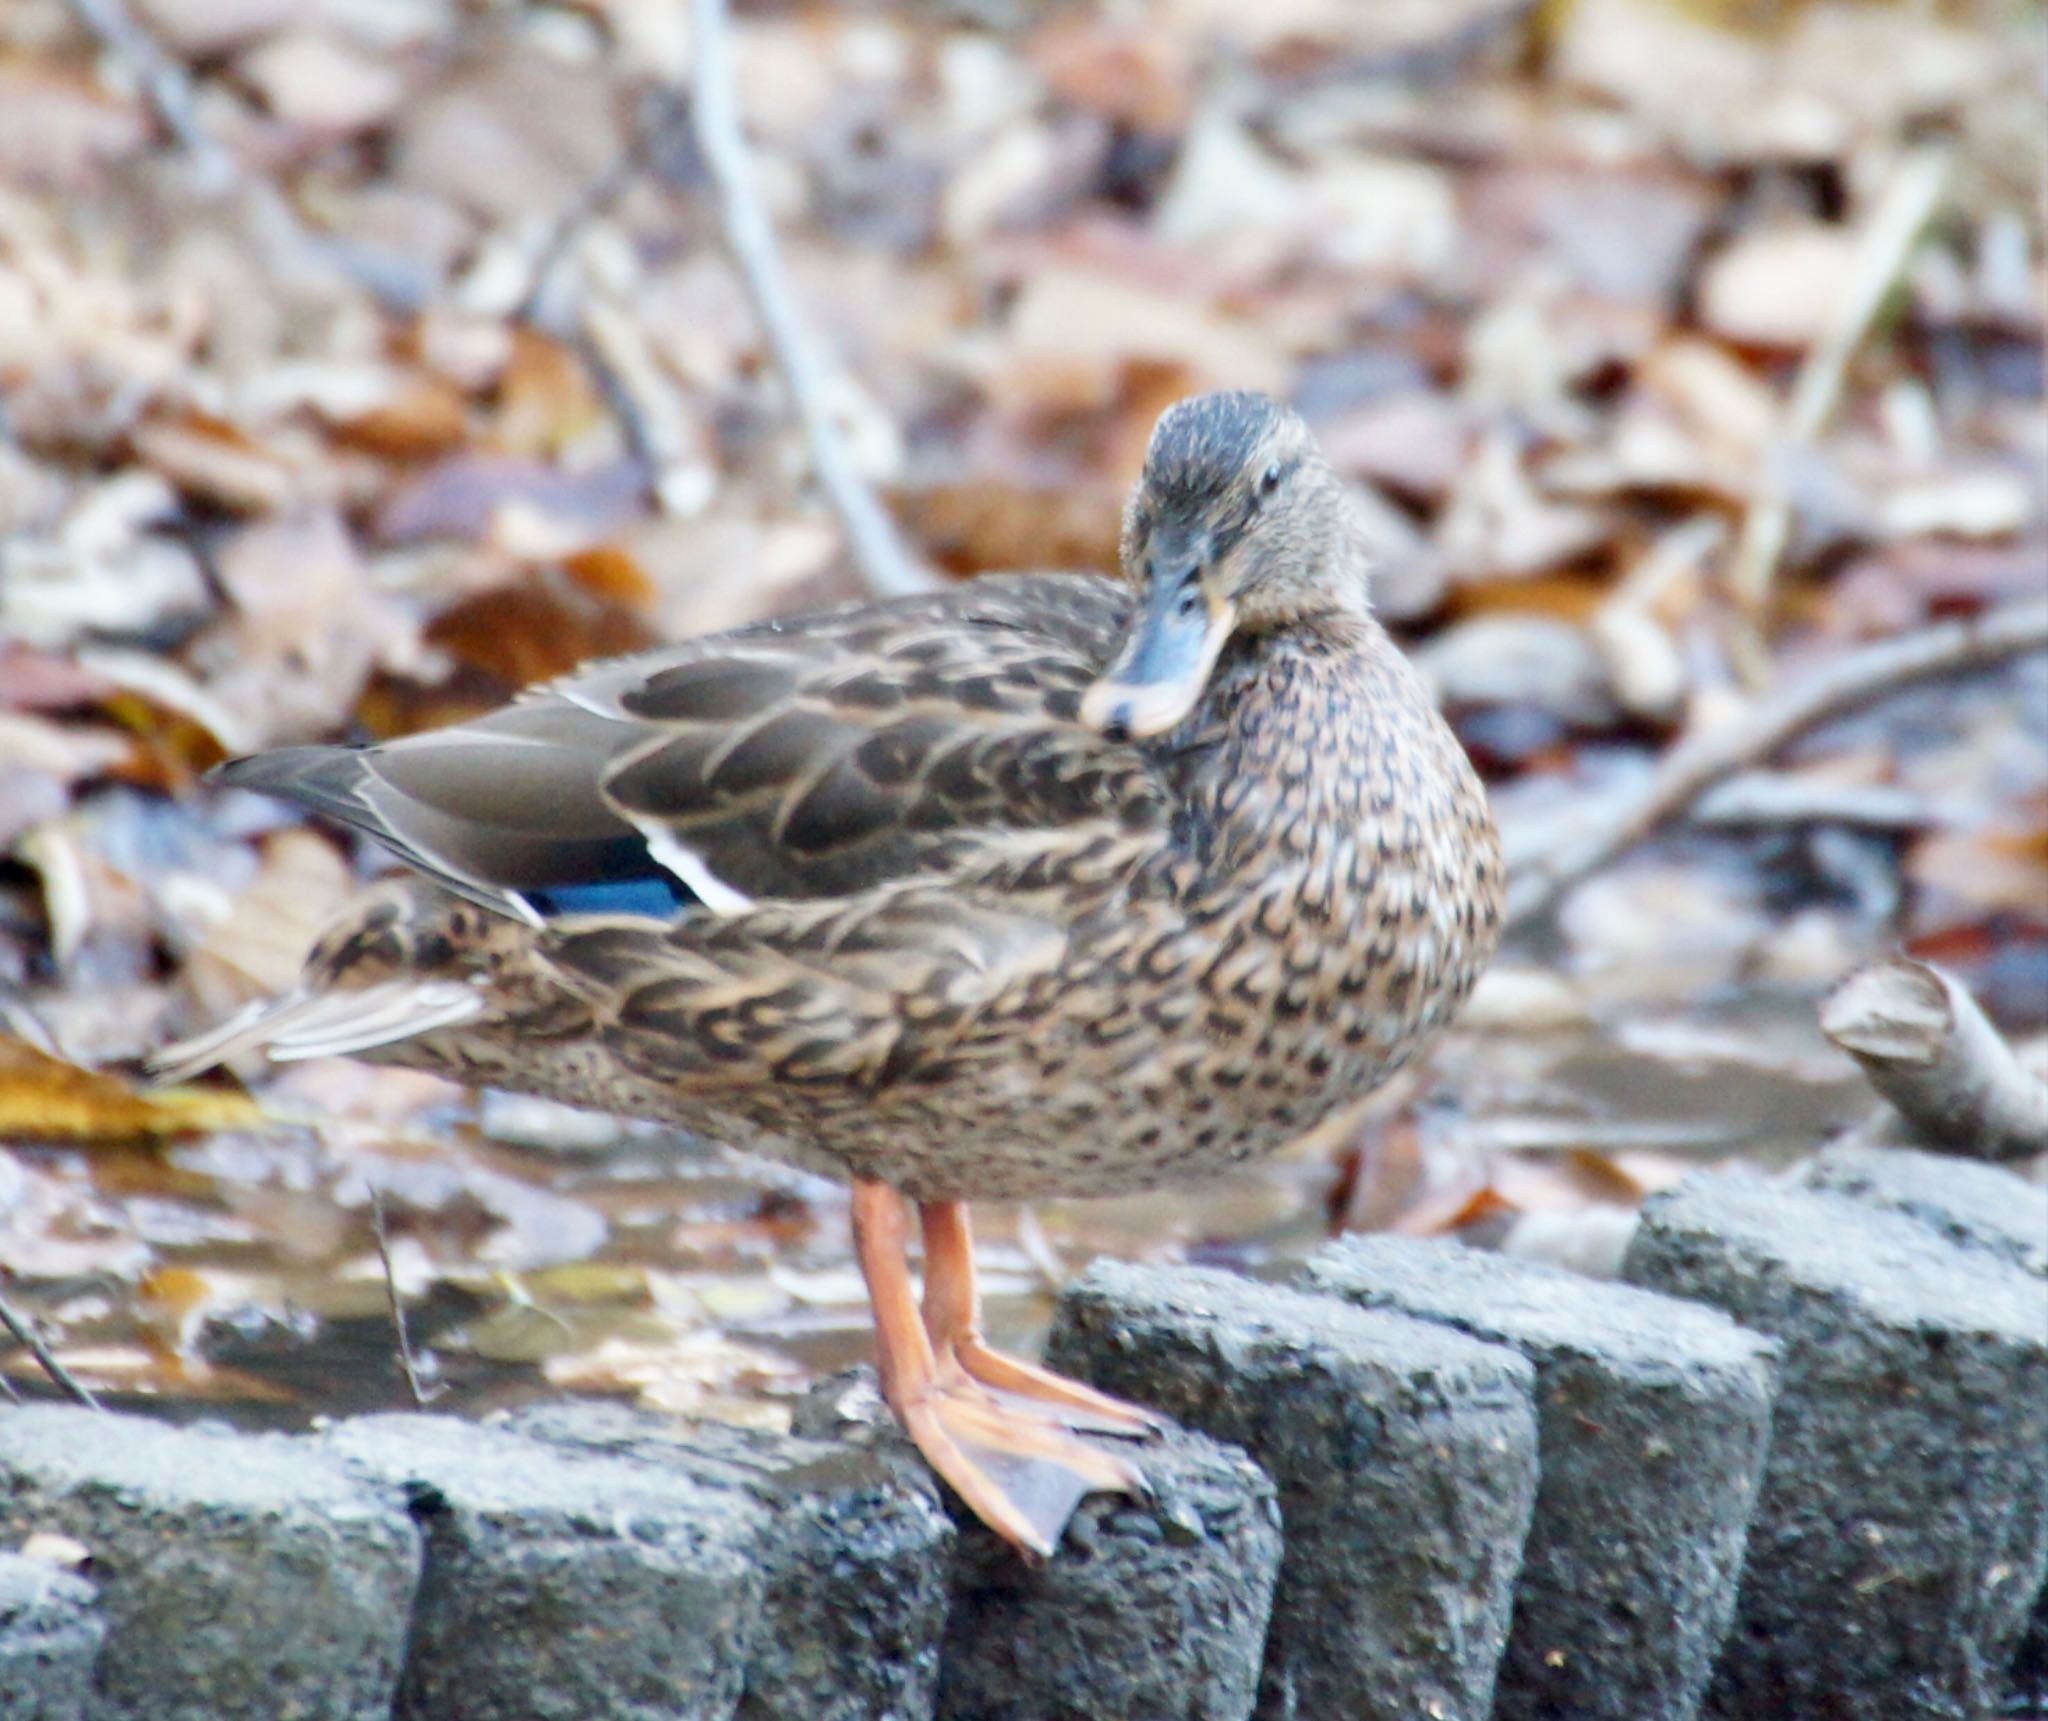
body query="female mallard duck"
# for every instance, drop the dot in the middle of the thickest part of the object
(1034, 886)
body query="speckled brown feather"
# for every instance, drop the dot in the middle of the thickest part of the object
(988, 952)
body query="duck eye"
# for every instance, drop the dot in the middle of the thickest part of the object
(1269, 481)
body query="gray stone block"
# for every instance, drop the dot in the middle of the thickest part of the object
(1902, 1531)
(1976, 1206)
(50, 1634)
(1150, 1610)
(854, 1554)
(1404, 1455)
(560, 1587)
(1971, 1203)
(1154, 1610)
(1653, 1419)
(239, 1576)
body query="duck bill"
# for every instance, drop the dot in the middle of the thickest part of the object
(1164, 665)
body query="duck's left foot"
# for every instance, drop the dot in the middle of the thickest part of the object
(1039, 1392)
(1020, 1475)
(952, 1316)
(1003, 1433)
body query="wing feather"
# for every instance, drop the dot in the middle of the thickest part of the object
(312, 1024)
(797, 761)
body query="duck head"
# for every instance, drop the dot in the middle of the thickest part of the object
(1237, 526)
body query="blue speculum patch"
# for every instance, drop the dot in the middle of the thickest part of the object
(656, 894)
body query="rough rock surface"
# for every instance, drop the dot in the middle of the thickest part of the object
(1977, 1205)
(854, 1550)
(241, 1577)
(1151, 1610)
(50, 1634)
(1654, 1417)
(1405, 1458)
(560, 1587)
(1902, 1531)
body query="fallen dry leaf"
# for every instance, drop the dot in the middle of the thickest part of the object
(58, 131)
(308, 78)
(423, 418)
(45, 1099)
(307, 630)
(1451, 1210)
(251, 944)
(1779, 286)
(970, 527)
(159, 1372)
(537, 629)
(1072, 331)
(217, 463)
(1984, 872)
(1115, 66)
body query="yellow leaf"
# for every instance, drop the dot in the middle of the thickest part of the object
(589, 1282)
(45, 1099)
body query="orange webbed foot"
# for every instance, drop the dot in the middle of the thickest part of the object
(1001, 1432)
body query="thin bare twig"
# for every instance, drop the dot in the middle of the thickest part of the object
(1883, 249)
(642, 441)
(421, 1398)
(164, 86)
(871, 536)
(31, 1341)
(567, 231)
(1696, 764)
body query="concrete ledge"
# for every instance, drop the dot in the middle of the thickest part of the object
(1404, 1455)
(1153, 1609)
(1150, 1608)
(559, 1586)
(854, 1549)
(240, 1576)
(1970, 1203)
(50, 1636)
(1975, 1206)
(1902, 1531)
(1653, 1420)
(1359, 1557)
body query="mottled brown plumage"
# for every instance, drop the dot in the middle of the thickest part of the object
(1035, 886)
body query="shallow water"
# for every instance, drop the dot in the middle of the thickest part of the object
(540, 1252)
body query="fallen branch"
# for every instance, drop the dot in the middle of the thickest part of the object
(871, 536)
(1766, 799)
(1930, 1050)
(31, 1341)
(1697, 763)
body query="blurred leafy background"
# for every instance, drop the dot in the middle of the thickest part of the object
(362, 360)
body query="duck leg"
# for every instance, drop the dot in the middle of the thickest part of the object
(1016, 1472)
(952, 1316)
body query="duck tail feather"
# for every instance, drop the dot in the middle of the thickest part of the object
(324, 1025)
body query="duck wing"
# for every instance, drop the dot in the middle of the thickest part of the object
(796, 760)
